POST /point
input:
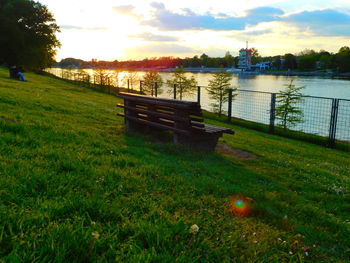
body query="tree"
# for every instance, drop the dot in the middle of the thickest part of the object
(342, 59)
(325, 61)
(277, 62)
(71, 62)
(290, 61)
(102, 76)
(287, 111)
(218, 90)
(204, 59)
(149, 81)
(132, 77)
(27, 31)
(307, 63)
(116, 75)
(229, 59)
(256, 58)
(183, 84)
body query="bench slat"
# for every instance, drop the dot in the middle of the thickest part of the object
(156, 125)
(160, 101)
(159, 114)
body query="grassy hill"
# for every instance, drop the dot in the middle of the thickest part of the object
(74, 187)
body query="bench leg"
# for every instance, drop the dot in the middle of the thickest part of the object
(132, 126)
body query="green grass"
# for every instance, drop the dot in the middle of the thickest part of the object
(74, 187)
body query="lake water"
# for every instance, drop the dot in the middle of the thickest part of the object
(314, 86)
(252, 105)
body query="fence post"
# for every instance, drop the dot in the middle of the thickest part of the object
(229, 110)
(333, 123)
(140, 86)
(128, 85)
(199, 95)
(156, 89)
(272, 113)
(174, 91)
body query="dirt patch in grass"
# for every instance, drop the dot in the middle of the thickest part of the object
(237, 153)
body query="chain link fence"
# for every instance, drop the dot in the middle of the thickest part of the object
(326, 118)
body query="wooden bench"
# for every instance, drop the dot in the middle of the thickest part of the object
(183, 118)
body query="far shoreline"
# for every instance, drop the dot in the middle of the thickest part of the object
(235, 71)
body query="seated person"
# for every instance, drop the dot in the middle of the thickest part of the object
(14, 73)
(21, 75)
(17, 73)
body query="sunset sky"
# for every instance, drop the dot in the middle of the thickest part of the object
(136, 29)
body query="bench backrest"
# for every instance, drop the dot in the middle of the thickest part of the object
(175, 114)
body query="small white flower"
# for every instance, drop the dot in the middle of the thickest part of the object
(194, 229)
(290, 253)
(95, 235)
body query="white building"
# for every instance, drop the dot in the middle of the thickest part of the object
(245, 59)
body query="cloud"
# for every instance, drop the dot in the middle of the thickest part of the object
(264, 12)
(147, 36)
(258, 32)
(165, 19)
(124, 9)
(71, 27)
(166, 49)
(325, 22)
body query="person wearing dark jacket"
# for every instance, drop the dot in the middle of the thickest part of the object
(17, 73)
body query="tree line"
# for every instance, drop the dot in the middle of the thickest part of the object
(307, 60)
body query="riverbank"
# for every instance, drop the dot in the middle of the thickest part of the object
(274, 73)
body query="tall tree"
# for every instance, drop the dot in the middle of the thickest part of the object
(256, 58)
(27, 31)
(204, 59)
(288, 111)
(229, 59)
(290, 61)
(218, 90)
(132, 77)
(184, 85)
(277, 62)
(342, 59)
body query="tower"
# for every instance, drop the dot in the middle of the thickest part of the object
(245, 58)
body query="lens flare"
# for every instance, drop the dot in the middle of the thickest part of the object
(240, 206)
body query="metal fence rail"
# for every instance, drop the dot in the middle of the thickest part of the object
(325, 117)
(343, 121)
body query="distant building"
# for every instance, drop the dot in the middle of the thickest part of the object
(245, 59)
(264, 66)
